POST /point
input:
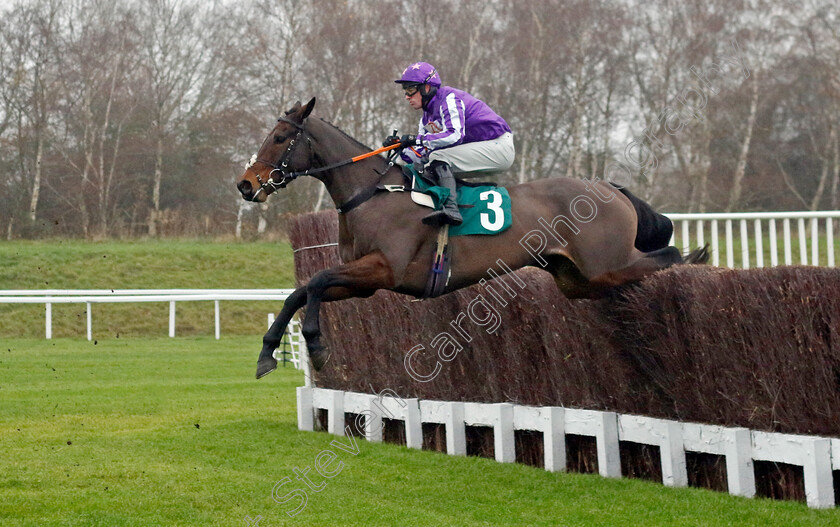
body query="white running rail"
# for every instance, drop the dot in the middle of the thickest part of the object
(740, 447)
(816, 234)
(48, 297)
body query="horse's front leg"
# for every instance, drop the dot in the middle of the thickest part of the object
(267, 363)
(360, 278)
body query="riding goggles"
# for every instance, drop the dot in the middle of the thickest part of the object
(411, 89)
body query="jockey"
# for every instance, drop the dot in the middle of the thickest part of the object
(457, 133)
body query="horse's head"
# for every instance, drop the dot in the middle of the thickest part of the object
(280, 156)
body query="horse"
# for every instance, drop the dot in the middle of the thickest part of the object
(591, 238)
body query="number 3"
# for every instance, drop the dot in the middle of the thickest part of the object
(496, 207)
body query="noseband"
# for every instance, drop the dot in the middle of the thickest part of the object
(281, 165)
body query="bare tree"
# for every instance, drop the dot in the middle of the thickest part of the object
(31, 94)
(172, 59)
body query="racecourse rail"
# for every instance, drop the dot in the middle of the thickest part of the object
(811, 252)
(683, 223)
(48, 297)
(740, 447)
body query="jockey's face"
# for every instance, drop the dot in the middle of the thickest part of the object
(415, 100)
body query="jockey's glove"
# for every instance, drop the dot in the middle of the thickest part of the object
(404, 141)
(415, 154)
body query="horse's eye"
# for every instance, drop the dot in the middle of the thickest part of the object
(278, 139)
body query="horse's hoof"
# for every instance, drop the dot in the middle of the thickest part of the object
(319, 358)
(266, 366)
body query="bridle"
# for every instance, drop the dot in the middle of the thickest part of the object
(287, 177)
(281, 165)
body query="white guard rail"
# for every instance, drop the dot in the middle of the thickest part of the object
(740, 447)
(752, 247)
(48, 297)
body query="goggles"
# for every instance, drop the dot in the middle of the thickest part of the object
(410, 90)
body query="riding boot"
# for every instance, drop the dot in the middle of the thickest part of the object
(449, 214)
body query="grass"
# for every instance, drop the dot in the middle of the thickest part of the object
(153, 264)
(138, 429)
(159, 431)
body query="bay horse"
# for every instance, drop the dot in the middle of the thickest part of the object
(614, 239)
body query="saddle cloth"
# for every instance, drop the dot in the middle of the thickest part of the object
(485, 209)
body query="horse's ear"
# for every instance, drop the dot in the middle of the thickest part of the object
(308, 109)
(294, 108)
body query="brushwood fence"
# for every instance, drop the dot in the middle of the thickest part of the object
(691, 352)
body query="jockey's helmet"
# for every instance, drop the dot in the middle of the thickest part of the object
(420, 73)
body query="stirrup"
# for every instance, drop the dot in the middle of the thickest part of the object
(439, 218)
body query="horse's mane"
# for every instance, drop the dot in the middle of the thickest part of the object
(345, 134)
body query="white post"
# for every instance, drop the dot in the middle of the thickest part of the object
(815, 242)
(803, 242)
(730, 257)
(335, 424)
(48, 319)
(740, 476)
(788, 255)
(504, 443)
(216, 313)
(759, 245)
(672, 457)
(413, 424)
(89, 324)
(715, 244)
(819, 486)
(305, 411)
(456, 439)
(609, 460)
(270, 320)
(745, 246)
(373, 422)
(829, 239)
(171, 319)
(554, 439)
(685, 236)
(774, 246)
(701, 239)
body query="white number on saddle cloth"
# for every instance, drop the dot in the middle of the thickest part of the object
(495, 206)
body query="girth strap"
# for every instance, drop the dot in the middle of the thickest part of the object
(441, 266)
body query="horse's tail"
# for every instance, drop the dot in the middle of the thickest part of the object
(654, 230)
(699, 255)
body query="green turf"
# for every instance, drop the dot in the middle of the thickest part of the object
(145, 432)
(152, 264)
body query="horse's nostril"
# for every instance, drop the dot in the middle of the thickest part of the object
(244, 188)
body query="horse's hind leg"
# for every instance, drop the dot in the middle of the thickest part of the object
(266, 362)
(648, 264)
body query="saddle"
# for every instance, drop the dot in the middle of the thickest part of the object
(485, 208)
(419, 191)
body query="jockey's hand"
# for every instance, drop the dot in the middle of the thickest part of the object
(415, 154)
(391, 140)
(408, 140)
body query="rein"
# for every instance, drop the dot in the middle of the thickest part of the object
(287, 177)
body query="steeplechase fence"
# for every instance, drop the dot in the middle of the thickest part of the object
(699, 375)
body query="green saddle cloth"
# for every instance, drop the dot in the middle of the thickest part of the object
(485, 209)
